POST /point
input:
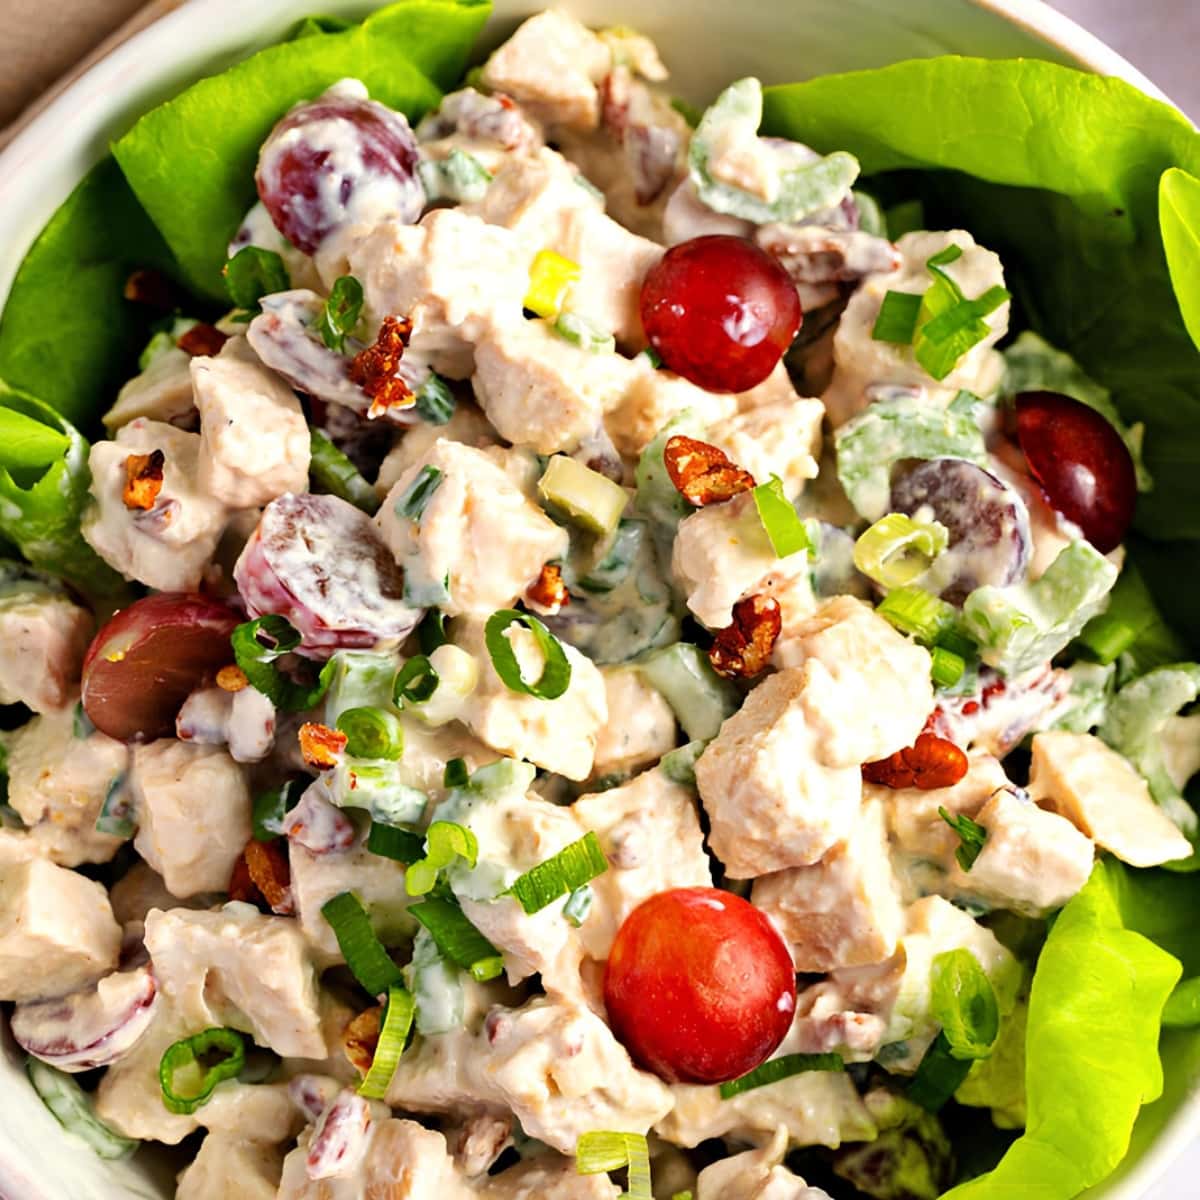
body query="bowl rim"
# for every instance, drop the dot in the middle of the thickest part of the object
(67, 106)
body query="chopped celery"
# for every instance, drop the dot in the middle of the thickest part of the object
(459, 177)
(1091, 690)
(361, 679)
(618, 557)
(378, 787)
(679, 765)
(869, 445)
(587, 497)
(1134, 726)
(699, 697)
(436, 985)
(657, 497)
(1024, 626)
(585, 334)
(73, 1109)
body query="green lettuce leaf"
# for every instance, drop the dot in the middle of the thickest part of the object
(191, 160)
(1179, 216)
(66, 334)
(1092, 1044)
(1058, 171)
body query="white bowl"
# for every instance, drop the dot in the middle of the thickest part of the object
(706, 43)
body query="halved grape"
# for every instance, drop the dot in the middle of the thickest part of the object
(149, 658)
(1082, 463)
(338, 160)
(990, 541)
(320, 562)
(720, 312)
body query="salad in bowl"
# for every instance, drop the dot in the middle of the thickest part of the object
(557, 643)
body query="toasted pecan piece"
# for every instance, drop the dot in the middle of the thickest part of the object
(702, 473)
(202, 341)
(743, 649)
(931, 762)
(374, 369)
(361, 1037)
(143, 479)
(548, 593)
(321, 745)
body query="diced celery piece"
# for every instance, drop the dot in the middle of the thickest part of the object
(378, 787)
(679, 765)
(587, 497)
(585, 334)
(436, 985)
(699, 697)
(361, 679)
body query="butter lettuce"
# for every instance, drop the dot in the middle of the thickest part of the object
(1092, 1043)
(191, 160)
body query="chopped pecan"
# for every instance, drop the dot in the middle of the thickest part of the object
(931, 762)
(242, 886)
(151, 288)
(320, 745)
(743, 649)
(548, 594)
(202, 341)
(143, 479)
(703, 474)
(268, 866)
(232, 679)
(361, 1037)
(375, 368)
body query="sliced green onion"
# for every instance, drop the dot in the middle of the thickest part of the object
(679, 765)
(556, 669)
(457, 939)
(896, 549)
(652, 356)
(946, 667)
(340, 313)
(72, 1107)
(257, 661)
(578, 905)
(416, 681)
(431, 633)
(337, 475)
(393, 1034)
(897, 320)
(606, 1150)
(253, 273)
(569, 869)
(372, 733)
(416, 497)
(390, 841)
(364, 953)
(964, 1003)
(187, 1084)
(1182, 1009)
(116, 813)
(938, 1077)
(445, 841)
(456, 774)
(777, 1069)
(271, 807)
(970, 833)
(435, 401)
(785, 530)
(585, 334)
(915, 611)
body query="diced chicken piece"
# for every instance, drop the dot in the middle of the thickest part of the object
(1033, 861)
(193, 811)
(542, 391)
(452, 275)
(561, 1071)
(1077, 776)
(654, 397)
(169, 545)
(552, 65)
(43, 637)
(722, 553)
(239, 967)
(559, 735)
(755, 1175)
(477, 538)
(544, 201)
(846, 1013)
(57, 782)
(228, 1165)
(244, 721)
(467, 426)
(130, 1096)
(782, 439)
(843, 911)
(254, 441)
(862, 361)
(869, 691)
(378, 881)
(816, 1108)
(57, 931)
(644, 728)
(935, 926)
(772, 800)
(162, 392)
(438, 1075)
(547, 1176)
(492, 129)
(650, 833)
(400, 1161)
